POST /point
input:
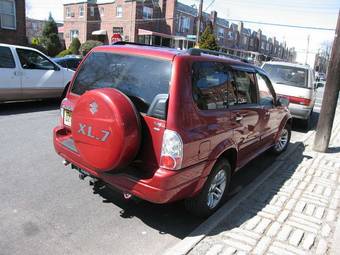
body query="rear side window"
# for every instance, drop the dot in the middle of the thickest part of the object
(245, 87)
(6, 58)
(140, 78)
(287, 75)
(210, 85)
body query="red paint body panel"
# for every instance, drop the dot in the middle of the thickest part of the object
(206, 135)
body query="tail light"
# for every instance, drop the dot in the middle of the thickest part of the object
(299, 100)
(172, 150)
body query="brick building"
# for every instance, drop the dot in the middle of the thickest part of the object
(159, 22)
(12, 22)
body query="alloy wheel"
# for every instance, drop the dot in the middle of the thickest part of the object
(283, 140)
(216, 189)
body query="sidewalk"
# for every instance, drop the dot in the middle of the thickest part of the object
(292, 208)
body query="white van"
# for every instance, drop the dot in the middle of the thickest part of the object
(296, 82)
(26, 73)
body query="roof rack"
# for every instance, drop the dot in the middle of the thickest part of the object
(130, 43)
(198, 52)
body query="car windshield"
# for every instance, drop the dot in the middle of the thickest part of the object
(287, 75)
(139, 78)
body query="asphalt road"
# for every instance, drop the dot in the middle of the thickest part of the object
(46, 209)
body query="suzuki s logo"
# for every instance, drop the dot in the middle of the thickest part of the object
(93, 108)
(87, 131)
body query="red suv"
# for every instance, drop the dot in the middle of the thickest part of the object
(164, 125)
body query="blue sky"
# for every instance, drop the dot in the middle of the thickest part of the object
(313, 13)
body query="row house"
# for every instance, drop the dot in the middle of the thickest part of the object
(12, 22)
(159, 22)
(146, 21)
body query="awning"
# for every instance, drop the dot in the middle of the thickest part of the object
(148, 32)
(99, 32)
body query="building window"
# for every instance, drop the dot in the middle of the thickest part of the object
(101, 10)
(92, 11)
(34, 26)
(184, 24)
(117, 30)
(244, 40)
(147, 12)
(230, 35)
(81, 11)
(7, 14)
(68, 12)
(119, 11)
(263, 45)
(220, 32)
(74, 34)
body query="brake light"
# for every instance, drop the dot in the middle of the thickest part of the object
(299, 100)
(172, 150)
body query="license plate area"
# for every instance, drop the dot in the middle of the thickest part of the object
(67, 118)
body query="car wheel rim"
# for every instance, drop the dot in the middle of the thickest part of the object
(283, 140)
(216, 189)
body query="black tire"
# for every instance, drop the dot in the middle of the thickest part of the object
(198, 205)
(277, 149)
(65, 91)
(306, 124)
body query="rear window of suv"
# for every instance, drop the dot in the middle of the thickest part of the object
(140, 78)
(287, 75)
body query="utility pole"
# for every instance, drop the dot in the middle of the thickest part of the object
(330, 96)
(199, 20)
(307, 49)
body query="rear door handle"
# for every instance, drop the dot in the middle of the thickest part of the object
(18, 73)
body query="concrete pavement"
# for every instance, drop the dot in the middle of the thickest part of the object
(292, 208)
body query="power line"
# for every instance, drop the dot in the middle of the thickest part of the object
(283, 25)
(209, 5)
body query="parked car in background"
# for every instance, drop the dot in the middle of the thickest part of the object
(320, 76)
(26, 73)
(70, 62)
(122, 122)
(296, 82)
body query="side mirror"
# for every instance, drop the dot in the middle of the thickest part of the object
(282, 101)
(56, 68)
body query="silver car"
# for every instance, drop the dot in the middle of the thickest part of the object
(296, 82)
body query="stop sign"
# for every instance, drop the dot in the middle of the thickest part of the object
(116, 38)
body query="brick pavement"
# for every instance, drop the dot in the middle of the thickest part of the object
(293, 212)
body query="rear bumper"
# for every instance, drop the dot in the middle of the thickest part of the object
(162, 187)
(300, 111)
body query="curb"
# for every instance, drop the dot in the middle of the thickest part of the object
(188, 243)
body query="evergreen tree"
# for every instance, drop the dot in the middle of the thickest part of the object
(74, 46)
(50, 39)
(208, 39)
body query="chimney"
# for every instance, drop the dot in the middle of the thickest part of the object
(213, 18)
(240, 27)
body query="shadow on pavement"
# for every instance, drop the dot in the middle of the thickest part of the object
(12, 108)
(172, 218)
(333, 150)
(299, 126)
(263, 196)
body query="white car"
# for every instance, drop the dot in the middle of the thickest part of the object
(296, 82)
(26, 73)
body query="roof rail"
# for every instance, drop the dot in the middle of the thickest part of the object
(130, 43)
(198, 52)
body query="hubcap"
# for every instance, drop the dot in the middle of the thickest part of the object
(216, 189)
(283, 140)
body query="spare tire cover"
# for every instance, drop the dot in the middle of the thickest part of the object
(106, 129)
